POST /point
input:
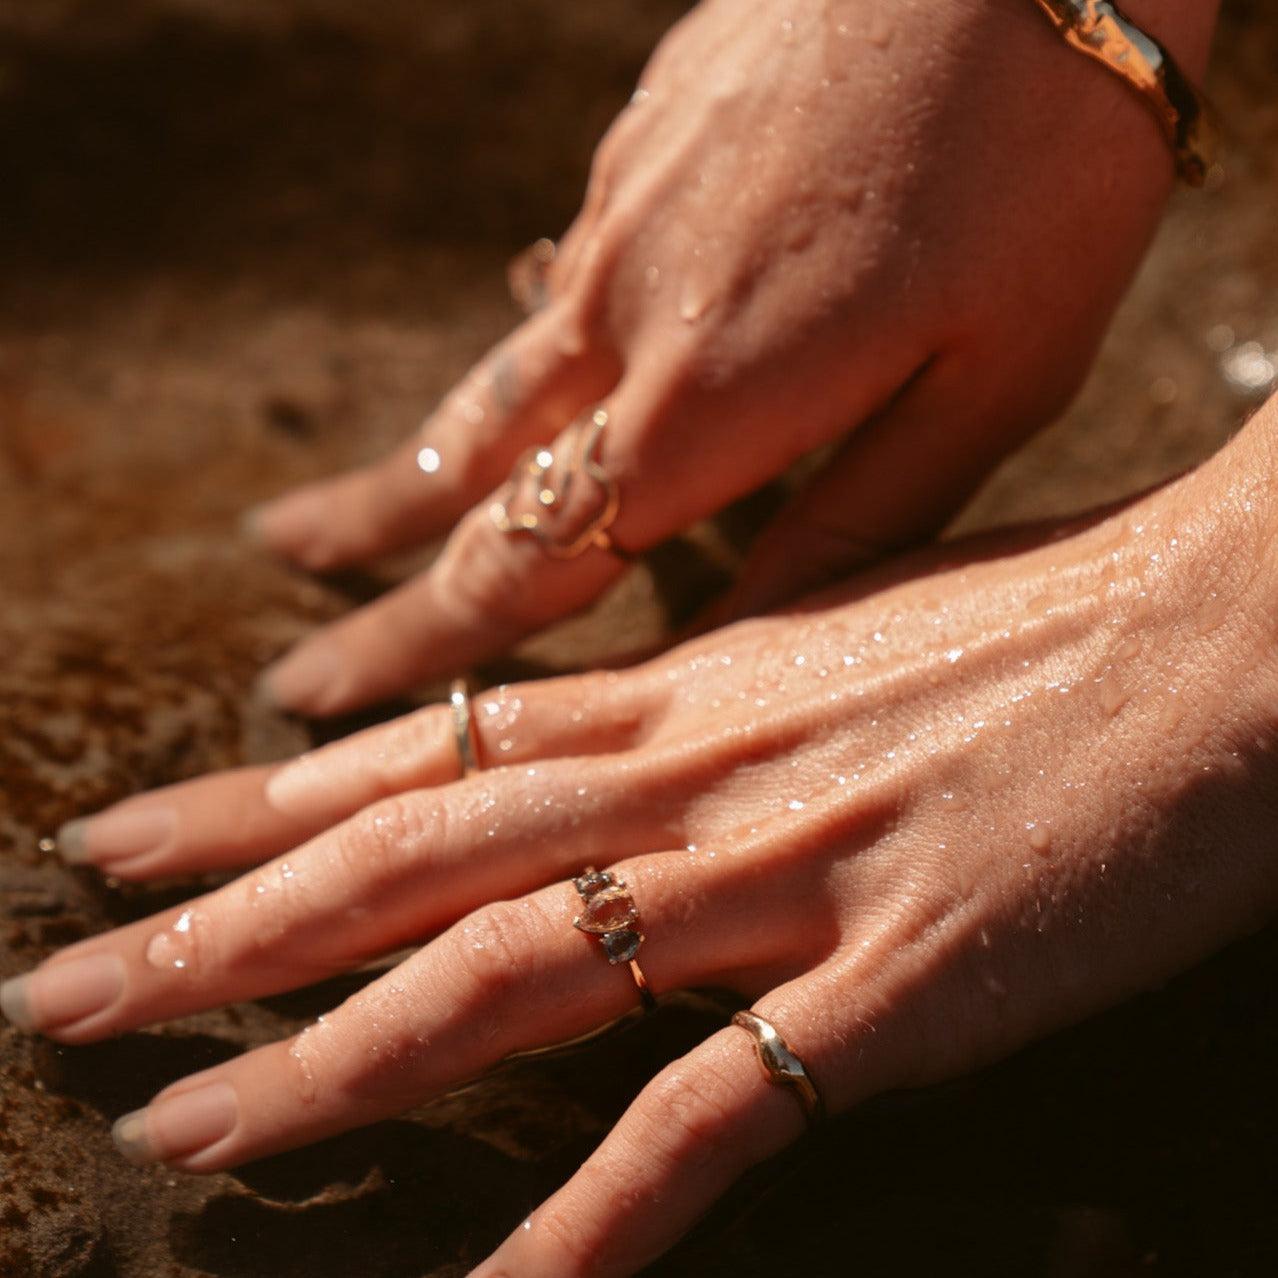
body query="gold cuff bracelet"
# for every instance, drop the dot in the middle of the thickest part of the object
(1102, 31)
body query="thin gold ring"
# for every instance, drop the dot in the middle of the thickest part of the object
(611, 914)
(464, 726)
(780, 1064)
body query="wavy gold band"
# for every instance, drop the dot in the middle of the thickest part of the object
(780, 1065)
(545, 479)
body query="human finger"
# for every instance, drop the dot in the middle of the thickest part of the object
(691, 1133)
(523, 390)
(248, 815)
(896, 483)
(488, 589)
(513, 976)
(400, 870)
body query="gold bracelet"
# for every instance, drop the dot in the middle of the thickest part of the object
(1101, 30)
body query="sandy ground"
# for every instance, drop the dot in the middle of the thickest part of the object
(244, 244)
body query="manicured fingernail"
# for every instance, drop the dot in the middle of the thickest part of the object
(13, 1003)
(251, 523)
(304, 680)
(286, 525)
(59, 994)
(116, 834)
(177, 1126)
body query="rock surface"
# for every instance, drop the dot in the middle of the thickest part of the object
(245, 244)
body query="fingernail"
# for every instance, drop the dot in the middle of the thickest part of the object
(13, 1002)
(287, 524)
(304, 680)
(59, 994)
(115, 834)
(177, 1126)
(251, 523)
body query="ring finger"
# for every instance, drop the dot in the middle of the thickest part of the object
(513, 976)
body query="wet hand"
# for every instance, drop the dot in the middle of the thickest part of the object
(914, 826)
(875, 223)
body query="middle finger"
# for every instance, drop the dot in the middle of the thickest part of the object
(516, 975)
(398, 871)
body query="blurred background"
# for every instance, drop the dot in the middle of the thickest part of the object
(244, 244)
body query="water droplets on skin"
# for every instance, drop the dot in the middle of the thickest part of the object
(1040, 836)
(178, 947)
(301, 1051)
(694, 302)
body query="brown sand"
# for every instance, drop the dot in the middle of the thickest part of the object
(245, 244)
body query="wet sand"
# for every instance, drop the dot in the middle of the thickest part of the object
(242, 248)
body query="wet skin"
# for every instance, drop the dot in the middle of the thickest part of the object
(916, 822)
(818, 225)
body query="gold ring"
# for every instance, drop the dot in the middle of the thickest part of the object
(611, 914)
(463, 726)
(529, 275)
(549, 475)
(780, 1065)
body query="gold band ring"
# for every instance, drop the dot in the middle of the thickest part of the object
(463, 726)
(611, 914)
(780, 1065)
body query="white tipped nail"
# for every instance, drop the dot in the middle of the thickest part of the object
(14, 1003)
(129, 1134)
(71, 842)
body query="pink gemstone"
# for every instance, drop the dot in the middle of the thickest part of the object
(605, 911)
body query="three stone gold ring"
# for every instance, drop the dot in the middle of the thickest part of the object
(609, 913)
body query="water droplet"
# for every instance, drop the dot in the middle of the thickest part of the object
(428, 460)
(1249, 369)
(795, 805)
(177, 947)
(694, 303)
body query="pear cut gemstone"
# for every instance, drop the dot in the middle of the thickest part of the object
(607, 911)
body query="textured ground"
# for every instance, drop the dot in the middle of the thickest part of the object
(244, 244)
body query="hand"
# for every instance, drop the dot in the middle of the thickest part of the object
(915, 827)
(868, 221)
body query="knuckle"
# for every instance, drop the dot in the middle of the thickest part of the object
(376, 843)
(497, 948)
(688, 1111)
(575, 1249)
